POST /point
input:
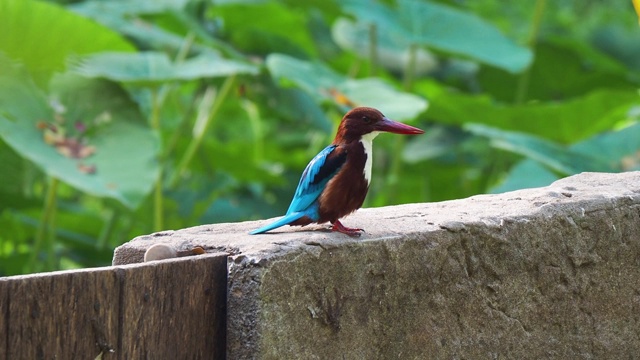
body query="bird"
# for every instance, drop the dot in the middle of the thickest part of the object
(336, 181)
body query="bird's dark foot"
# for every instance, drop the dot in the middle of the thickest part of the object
(337, 226)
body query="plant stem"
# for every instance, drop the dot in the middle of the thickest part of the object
(373, 49)
(107, 230)
(158, 99)
(392, 180)
(523, 82)
(45, 234)
(207, 114)
(164, 90)
(410, 69)
(158, 203)
(155, 109)
(185, 47)
(395, 169)
(179, 133)
(256, 128)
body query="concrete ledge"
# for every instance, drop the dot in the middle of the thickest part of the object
(551, 272)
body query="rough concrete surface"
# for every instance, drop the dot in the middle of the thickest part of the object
(551, 272)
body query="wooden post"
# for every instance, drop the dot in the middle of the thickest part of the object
(165, 309)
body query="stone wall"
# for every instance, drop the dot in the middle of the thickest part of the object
(550, 272)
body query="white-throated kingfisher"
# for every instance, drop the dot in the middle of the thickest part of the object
(336, 181)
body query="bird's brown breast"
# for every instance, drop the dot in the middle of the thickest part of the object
(345, 193)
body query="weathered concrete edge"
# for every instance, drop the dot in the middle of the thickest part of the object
(390, 222)
(251, 256)
(245, 308)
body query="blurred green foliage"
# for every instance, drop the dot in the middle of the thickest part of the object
(119, 118)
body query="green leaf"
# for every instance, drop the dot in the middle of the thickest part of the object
(297, 105)
(620, 149)
(524, 175)
(563, 68)
(447, 29)
(392, 51)
(124, 165)
(443, 28)
(312, 77)
(619, 43)
(141, 20)
(156, 67)
(566, 122)
(276, 28)
(552, 155)
(41, 35)
(395, 104)
(438, 141)
(127, 7)
(14, 182)
(323, 83)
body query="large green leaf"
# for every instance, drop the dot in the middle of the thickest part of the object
(131, 18)
(296, 104)
(124, 165)
(396, 104)
(619, 43)
(392, 50)
(552, 155)
(14, 182)
(563, 68)
(41, 35)
(438, 141)
(619, 149)
(265, 27)
(524, 175)
(128, 7)
(440, 27)
(312, 77)
(156, 67)
(566, 122)
(325, 85)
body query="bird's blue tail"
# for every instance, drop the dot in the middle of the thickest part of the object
(287, 219)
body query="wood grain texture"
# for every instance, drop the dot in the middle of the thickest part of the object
(178, 306)
(165, 309)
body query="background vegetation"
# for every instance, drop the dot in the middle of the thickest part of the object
(120, 118)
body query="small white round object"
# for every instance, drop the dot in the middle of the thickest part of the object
(160, 252)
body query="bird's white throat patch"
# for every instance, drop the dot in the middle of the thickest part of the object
(367, 143)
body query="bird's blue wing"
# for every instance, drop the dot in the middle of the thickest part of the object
(322, 168)
(315, 177)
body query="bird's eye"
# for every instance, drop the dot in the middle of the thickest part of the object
(366, 119)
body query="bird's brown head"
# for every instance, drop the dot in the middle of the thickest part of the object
(364, 120)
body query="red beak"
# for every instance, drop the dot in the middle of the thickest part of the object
(397, 127)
